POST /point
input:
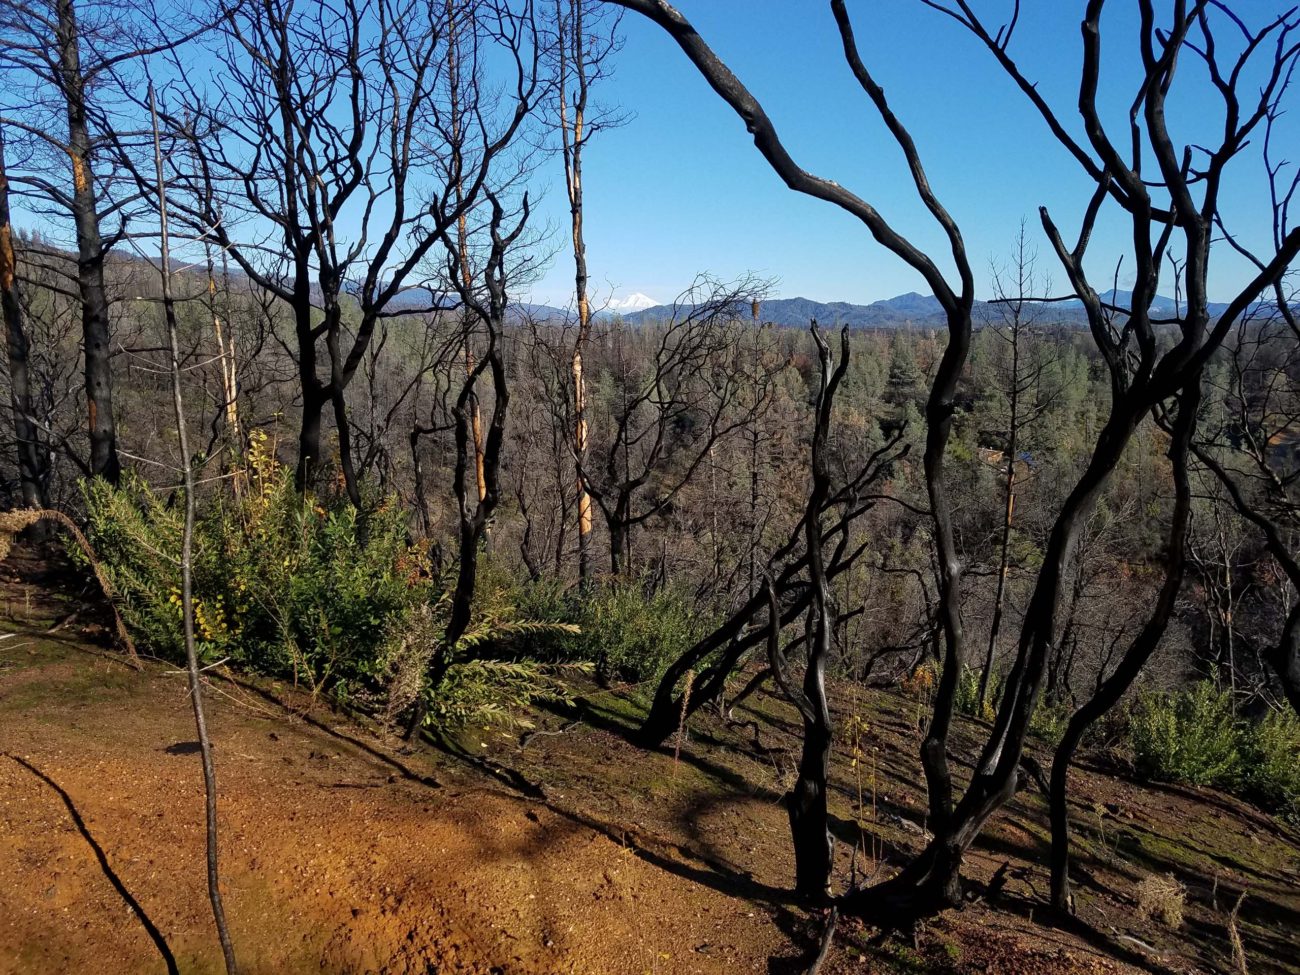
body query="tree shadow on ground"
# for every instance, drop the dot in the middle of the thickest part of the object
(402, 769)
(105, 867)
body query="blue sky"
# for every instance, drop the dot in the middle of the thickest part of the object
(680, 188)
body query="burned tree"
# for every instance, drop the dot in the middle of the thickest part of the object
(806, 800)
(1142, 372)
(355, 114)
(488, 299)
(586, 38)
(785, 570)
(33, 470)
(957, 303)
(44, 43)
(667, 417)
(186, 560)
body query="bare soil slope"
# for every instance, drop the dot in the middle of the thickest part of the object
(572, 853)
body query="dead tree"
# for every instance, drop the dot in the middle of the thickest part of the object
(350, 115)
(670, 414)
(187, 559)
(489, 304)
(786, 568)
(586, 38)
(487, 298)
(1247, 455)
(1142, 373)
(1112, 689)
(33, 471)
(806, 800)
(957, 303)
(43, 40)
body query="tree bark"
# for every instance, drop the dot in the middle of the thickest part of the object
(573, 138)
(32, 472)
(95, 328)
(187, 561)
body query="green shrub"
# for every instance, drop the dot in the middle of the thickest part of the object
(635, 635)
(283, 585)
(1049, 720)
(1271, 759)
(137, 539)
(967, 699)
(1190, 736)
(489, 673)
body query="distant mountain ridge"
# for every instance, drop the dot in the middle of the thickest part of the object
(911, 310)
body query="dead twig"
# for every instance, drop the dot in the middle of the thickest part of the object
(828, 936)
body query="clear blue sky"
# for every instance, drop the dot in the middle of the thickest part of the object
(680, 189)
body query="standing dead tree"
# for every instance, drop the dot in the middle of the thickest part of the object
(54, 67)
(806, 801)
(187, 556)
(1014, 323)
(485, 256)
(786, 568)
(489, 303)
(1142, 373)
(957, 303)
(1249, 454)
(667, 417)
(333, 152)
(586, 39)
(33, 469)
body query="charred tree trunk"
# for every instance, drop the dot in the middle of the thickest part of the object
(1139, 652)
(95, 329)
(806, 801)
(32, 473)
(477, 505)
(186, 564)
(1008, 513)
(314, 395)
(574, 59)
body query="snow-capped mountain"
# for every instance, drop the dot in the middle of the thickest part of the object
(630, 303)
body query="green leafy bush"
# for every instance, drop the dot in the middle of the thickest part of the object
(1271, 760)
(283, 585)
(628, 629)
(635, 635)
(137, 539)
(967, 699)
(1049, 720)
(489, 673)
(1190, 736)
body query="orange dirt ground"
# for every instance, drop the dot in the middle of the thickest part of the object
(575, 854)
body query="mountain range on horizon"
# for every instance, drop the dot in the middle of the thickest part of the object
(902, 311)
(908, 310)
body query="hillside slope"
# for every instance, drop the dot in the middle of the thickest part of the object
(569, 852)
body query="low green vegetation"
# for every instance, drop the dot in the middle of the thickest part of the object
(319, 593)
(1193, 737)
(338, 600)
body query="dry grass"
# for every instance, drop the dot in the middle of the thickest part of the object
(1162, 898)
(1234, 936)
